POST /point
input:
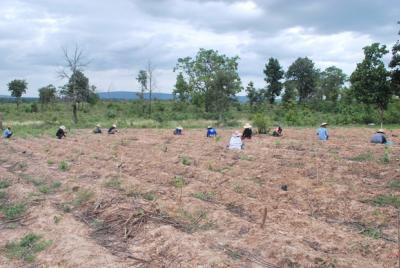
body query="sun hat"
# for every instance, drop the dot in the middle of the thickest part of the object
(98, 125)
(247, 125)
(381, 130)
(180, 128)
(114, 125)
(62, 127)
(209, 127)
(324, 124)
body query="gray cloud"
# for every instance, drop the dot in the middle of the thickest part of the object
(119, 37)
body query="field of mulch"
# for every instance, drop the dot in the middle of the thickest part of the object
(146, 198)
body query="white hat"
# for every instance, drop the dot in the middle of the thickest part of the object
(98, 125)
(180, 128)
(381, 130)
(114, 125)
(62, 127)
(247, 125)
(324, 124)
(209, 127)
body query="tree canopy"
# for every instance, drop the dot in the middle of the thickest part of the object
(273, 75)
(17, 88)
(47, 94)
(370, 81)
(210, 75)
(331, 82)
(304, 77)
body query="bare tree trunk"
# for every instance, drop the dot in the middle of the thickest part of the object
(75, 112)
(381, 115)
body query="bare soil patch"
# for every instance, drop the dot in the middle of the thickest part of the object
(145, 198)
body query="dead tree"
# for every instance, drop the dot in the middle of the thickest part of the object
(74, 63)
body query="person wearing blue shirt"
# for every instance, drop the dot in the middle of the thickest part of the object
(211, 132)
(379, 137)
(7, 133)
(322, 132)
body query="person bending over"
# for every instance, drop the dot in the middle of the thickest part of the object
(61, 132)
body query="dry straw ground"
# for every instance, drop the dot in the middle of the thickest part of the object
(144, 198)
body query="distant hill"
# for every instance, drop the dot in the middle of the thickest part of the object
(128, 95)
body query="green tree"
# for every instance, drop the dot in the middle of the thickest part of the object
(370, 80)
(253, 95)
(181, 91)
(395, 66)
(222, 91)
(204, 72)
(47, 95)
(304, 75)
(331, 82)
(17, 89)
(273, 75)
(289, 95)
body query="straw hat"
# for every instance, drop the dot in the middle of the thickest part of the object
(324, 124)
(180, 128)
(381, 130)
(209, 127)
(62, 127)
(247, 125)
(98, 125)
(115, 126)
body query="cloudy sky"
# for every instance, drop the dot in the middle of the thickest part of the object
(120, 36)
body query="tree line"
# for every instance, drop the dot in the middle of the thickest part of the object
(210, 81)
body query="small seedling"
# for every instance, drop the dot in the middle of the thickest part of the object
(3, 195)
(363, 157)
(205, 196)
(55, 185)
(97, 223)
(386, 157)
(56, 219)
(13, 211)
(114, 184)
(150, 196)
(27, 248)
(50, 162)
(384, 200)
(4, 184)
(238, 189)
(186, 161)
(372, 232)
(395, 184)
(63, 166)
(83, 196)
(179, 182)
(44, 189)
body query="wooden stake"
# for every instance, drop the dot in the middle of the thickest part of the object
(264, 218)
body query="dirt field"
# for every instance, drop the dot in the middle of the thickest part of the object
(144, 198)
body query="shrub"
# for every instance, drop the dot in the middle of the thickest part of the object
(179, 182)
(63, 166)
(13, 211)
(111, 114)
(27, 248)
(4, 184)
(262, 122)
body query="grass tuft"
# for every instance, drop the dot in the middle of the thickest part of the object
(27, 248)
(386, 200)
(13, 211)
(114, 184)
(63, 166)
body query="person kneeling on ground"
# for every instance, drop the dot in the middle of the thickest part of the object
(7, 133)
(379, 137)
(277, 132)
(97, 129)
(178, 130)
(211, 132)
(322, 132)
(113, 129)
(235, 143)
(247, 132)
(61, 132)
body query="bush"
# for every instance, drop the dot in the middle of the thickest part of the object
(262, 122)
(111, 114)
(27, 248)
